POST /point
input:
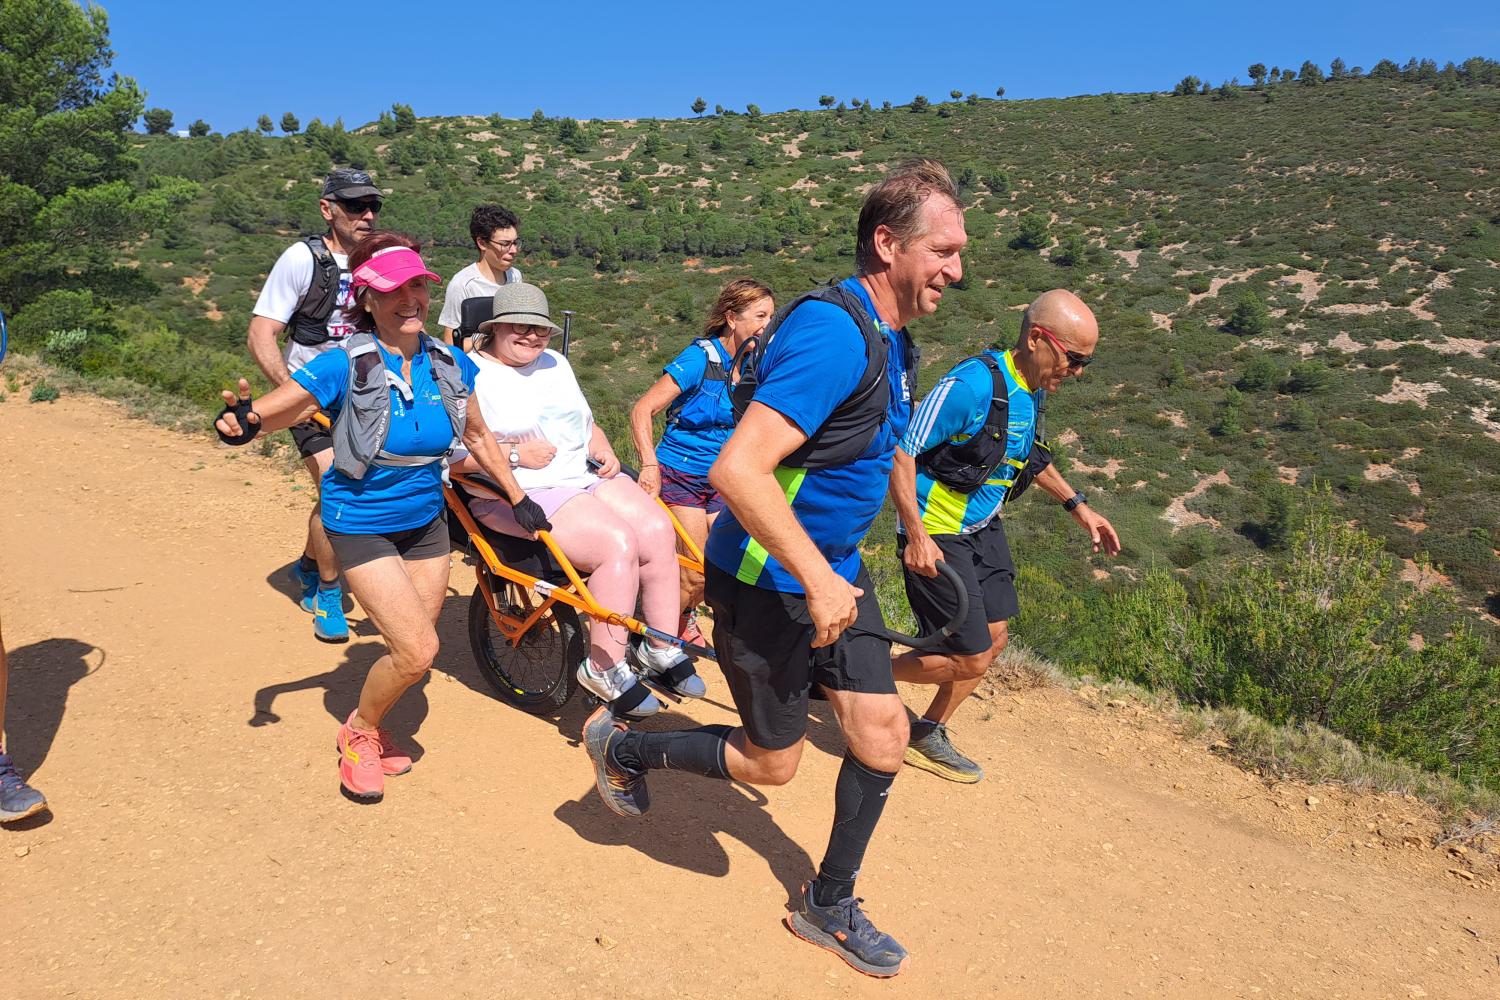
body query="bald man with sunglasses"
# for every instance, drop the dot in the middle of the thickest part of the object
(972, 444)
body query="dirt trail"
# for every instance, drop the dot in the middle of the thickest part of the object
(169, 700)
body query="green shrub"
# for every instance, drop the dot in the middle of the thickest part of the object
(1250, 317)
(43, 392)
(1033, 232)
(1307, 376)
(1260, 372)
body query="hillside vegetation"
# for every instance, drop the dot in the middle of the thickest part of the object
(1296, 284)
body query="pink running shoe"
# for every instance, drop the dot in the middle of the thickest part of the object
(360, 770)
(688, 630)
(393, 760)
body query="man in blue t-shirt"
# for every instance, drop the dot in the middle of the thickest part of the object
(794, 609)
(951, 476)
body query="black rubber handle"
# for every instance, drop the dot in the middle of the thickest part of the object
(931, 640)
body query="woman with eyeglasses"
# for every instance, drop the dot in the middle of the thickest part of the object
(495, 232)
(694, 390)
(399, 401)
(605, 524)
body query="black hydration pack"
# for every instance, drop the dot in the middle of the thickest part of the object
(966, 465)
(853, 424)
(309, 323)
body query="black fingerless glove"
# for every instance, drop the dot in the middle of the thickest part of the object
(530, 516)
(248, 429)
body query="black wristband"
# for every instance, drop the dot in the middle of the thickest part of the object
(1072, 502)
(248, 428)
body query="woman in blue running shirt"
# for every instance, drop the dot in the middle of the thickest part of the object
(695, 393)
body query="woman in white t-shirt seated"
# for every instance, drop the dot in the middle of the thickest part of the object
(605, 524)
(495, 232)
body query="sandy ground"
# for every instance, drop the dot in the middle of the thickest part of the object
(169, 699)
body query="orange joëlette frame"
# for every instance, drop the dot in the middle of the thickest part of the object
(576, 594)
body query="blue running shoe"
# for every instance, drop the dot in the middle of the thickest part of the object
(308, 581)
(844, 930)
(329, 623)
(622, 789)
(17, 799)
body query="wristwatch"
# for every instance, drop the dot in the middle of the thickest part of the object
(515, 457)
(1074, 501)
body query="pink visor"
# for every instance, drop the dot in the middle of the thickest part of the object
(391, 268)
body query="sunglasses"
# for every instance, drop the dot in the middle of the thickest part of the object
(361, 207)
(1075, 360)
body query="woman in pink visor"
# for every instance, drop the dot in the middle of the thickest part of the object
(400, 402)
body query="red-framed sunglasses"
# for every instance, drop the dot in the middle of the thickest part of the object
(1075, 360)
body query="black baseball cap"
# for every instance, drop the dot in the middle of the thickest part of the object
(346, 184)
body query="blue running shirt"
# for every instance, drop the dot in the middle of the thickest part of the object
(954, 411)
(706, 416)
(812, 364)
(390, 497)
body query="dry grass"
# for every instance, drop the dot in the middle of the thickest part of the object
(1305, 751)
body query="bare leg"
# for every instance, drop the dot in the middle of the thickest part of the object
(403, 599)
(656, 551)
(695, 522)
(956, 677)
(4, 685)
(318, 547)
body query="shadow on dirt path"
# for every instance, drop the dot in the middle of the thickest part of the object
(41, 675)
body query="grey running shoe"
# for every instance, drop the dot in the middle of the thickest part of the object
(621, 788)
(844, 930)
(931, 750)
(17, 799)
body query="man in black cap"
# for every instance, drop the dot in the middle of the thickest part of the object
(309, 293)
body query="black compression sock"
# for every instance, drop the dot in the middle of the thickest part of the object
(858, 800)
(307, 564)
(698, 751)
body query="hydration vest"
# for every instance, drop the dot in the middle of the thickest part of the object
(965, 466)
(698, 409)
(364, 421)
(853, 424)
(309, 323)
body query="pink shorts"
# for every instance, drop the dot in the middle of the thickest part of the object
(498, 514)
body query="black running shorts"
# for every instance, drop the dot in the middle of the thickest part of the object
(764, 641)
(427, 542)
(311, 437)
(982, 558)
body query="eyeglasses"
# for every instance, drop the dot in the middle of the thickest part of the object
(504, 245)
(357, 208)
(1075, 360)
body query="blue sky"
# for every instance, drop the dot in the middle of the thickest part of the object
(230, 63)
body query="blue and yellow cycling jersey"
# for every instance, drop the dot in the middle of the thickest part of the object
(955, 410)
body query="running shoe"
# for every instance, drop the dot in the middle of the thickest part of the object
(17, 799)
(688, 630)
(667, 668)
(844, 930)
(307, 579)
(329, 623)
(360, 771)
(393, 760)
(622, 789)
(931, 750)
(620, 689)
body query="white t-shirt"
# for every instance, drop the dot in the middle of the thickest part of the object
(288, 281)
(469, 283)
(537, 401)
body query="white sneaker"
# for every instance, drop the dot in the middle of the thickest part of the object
(620, 689)
(668, 668)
